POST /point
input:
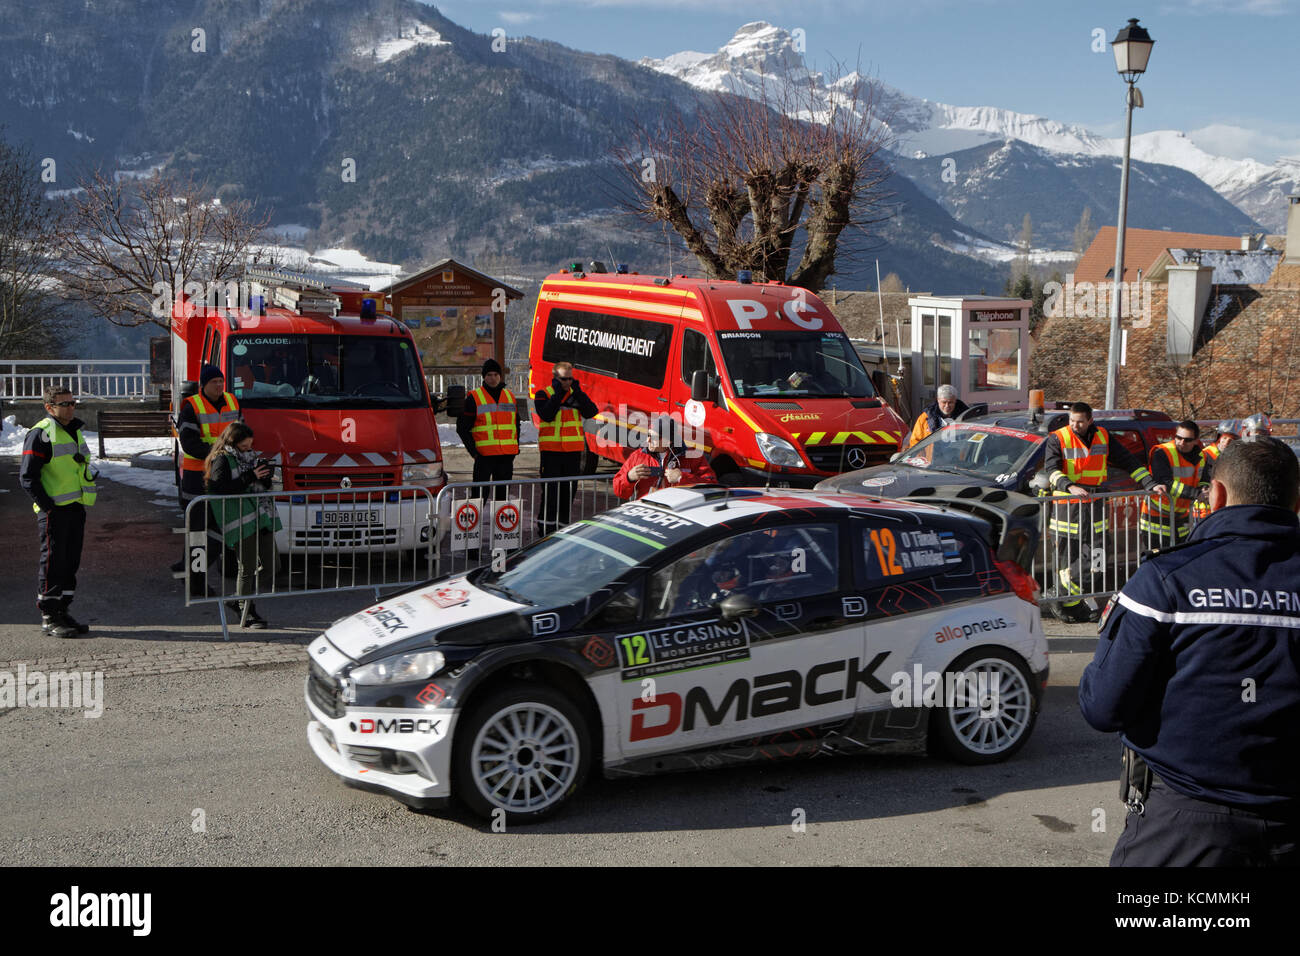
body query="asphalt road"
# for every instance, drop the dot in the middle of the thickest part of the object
(198, 731)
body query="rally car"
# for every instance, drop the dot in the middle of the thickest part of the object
(698, 627)
(999, 451)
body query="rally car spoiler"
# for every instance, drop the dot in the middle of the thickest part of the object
(1012, 518)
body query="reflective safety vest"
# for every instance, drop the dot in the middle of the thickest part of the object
(564, 431)
(64, 478)
(1081, 465)
(237, 518)
(1211, 452)
(211, 423)
(495, 431)
(1155, 509)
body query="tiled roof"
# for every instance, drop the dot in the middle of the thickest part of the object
(1142, 247)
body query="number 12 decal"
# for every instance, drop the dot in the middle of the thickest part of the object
(634, 650)
(885, 548)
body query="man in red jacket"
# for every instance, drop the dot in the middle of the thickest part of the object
(660, 464)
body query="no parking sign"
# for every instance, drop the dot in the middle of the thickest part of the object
(466, 524)
(507, 524)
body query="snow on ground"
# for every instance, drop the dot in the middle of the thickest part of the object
(413, 35)
(162, 482)
(447, 435)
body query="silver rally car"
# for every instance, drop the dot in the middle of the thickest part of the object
(698, 627)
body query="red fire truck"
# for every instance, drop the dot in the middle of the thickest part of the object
(335, 401)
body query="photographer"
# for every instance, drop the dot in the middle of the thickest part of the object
(660, 464)
(561, 407)
(248, 525)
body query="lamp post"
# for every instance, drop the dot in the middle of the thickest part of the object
(1132, 49)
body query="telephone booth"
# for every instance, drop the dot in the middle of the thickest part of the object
(979, 344)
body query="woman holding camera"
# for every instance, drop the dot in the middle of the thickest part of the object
(248, 525)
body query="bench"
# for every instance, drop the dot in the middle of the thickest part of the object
(133, 425)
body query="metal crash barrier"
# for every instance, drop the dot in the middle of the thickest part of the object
(378, 539)
(333, 540)
(1090, 546)
(485, 522)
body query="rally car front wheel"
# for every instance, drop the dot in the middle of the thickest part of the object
(994, 710)
(524, 750)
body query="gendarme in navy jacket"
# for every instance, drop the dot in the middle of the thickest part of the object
(1183, 636)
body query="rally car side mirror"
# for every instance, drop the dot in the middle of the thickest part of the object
(736, 606)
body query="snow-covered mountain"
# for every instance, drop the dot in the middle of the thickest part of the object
(762, 57)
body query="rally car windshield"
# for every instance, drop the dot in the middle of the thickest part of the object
(971, 451)
(804, 364)
(584, 557)
(335, 371)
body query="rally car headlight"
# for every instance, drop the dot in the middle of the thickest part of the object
(430, 472)
(418, 665)
(778, 451)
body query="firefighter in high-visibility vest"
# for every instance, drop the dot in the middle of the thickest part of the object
(561, 406)
(1076, 459)
(1179, 465)
(201, 419)
(489, 427)
(56, 472)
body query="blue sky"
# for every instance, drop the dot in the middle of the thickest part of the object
(1224, 71)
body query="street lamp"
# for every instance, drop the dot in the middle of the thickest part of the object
(1132, 49)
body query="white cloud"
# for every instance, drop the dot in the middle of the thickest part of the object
(1237, 142)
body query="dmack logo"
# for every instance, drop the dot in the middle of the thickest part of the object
(398, 725)
(390, 619)
(764, 696)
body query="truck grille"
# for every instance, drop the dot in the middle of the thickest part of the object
(342, 538)
(828, 457)
(324, 691)
(331, 479)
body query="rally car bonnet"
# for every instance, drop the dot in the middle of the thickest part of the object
(414, 614)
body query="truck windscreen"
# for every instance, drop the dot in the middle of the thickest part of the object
(804, 364)
(336, 371)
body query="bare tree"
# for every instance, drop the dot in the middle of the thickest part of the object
(123, 238)
(741, 178)
(29, 313)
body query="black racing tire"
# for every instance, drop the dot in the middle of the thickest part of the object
(963, 735)
(498, 724)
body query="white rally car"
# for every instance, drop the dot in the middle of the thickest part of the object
(698, 627)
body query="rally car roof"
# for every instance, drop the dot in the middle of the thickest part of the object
(716, 504)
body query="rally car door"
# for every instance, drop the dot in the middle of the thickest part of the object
(690, 677)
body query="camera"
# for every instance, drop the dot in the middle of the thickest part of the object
(264, 463)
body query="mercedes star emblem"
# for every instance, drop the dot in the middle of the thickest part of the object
(346, 482)
(857, 457)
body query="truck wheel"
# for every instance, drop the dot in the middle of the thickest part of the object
(992, 728)
(524, 750)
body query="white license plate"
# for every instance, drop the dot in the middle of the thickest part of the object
(346, 518)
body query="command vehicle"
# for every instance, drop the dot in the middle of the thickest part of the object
(760, 375)
(334, 401)
(697, 627)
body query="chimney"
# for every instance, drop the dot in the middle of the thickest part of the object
(1189, 294)
(1293, 230)
(1249, 242)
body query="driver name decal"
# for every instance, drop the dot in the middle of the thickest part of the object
(681, 648)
